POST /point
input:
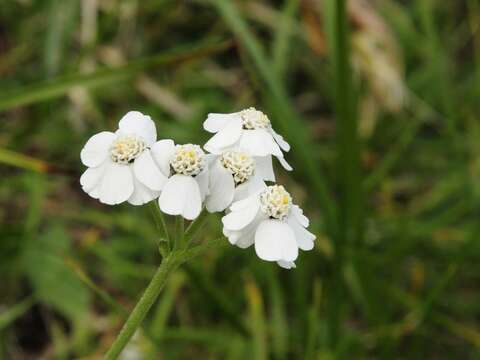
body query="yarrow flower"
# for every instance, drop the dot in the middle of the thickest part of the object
(131, 165)
(122, 166)
(234, 175)
(247, 129)
(187, 185)
(271, 221)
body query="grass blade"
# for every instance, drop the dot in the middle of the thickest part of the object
(59, 86)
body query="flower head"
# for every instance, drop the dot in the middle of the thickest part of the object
(239, 164)
(187, 183)
(250, 130)
(252, 119)
(234, 175)
(188, 160)
(122, 165)
(275, 202)
(272, 222)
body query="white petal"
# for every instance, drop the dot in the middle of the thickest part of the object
(246, 236)
(280, 141)
(134, 122)
(284, 163)
(304, 237)
(162, 152)
(286, 264)
(253, 186)
(117, 184)
(226, 137)
(147, 172)
(275, 240)
(96, 150)
(216, 122)
(232, 236)
(222, 188)
(141, 194)
(91, 180)
(181, 196)
(203, 182)
(264, 168)
(298, 213)
(240, 218)
(247, 202)
(259, 142)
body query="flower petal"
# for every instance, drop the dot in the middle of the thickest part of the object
(247, 235)
(284, 163)
(239, 219)
(253, 186)
(162, 152)
(181, 196)
(91, 179)
(147, 171)
(141, 194)
(247, 202)
(117, 184)
(134, 122)
(259, 142)
(97, 148)
(222, 188)
(264, 168)
(298, 213)
(275, 240)
(304, 237)
(225, 137)
(216, 122)
(286, 264)
(280, 141)
(203, 182)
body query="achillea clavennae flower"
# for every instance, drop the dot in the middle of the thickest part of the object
(234, 175)
(187, 184)
(248, 129)
(272, 222)
(122, 165)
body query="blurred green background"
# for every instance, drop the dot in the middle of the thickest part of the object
(380, 102)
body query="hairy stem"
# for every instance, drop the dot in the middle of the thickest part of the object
(136, 317)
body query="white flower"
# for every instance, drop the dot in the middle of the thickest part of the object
(272, 222)
(187, 184)
(234, 175)
(248, 129)
(123, 166)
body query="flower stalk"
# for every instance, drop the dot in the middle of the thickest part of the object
(168, 265)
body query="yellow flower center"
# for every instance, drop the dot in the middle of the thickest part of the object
(276, 202)
(188, 160)
(254, 119)
(241, 165)
(126, 149)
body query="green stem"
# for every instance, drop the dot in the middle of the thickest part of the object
(179, 231)
(159, 220)
(151, 293)
(164, 245)
(194, 227)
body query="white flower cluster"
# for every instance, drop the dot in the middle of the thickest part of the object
(131, 165)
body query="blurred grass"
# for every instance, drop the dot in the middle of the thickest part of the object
(395, 207)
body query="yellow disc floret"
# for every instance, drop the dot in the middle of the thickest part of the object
(275, 202)
(240, 164)
(188, 160)
(125, 149)
(253, 119)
